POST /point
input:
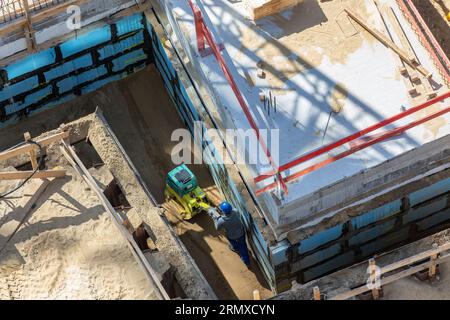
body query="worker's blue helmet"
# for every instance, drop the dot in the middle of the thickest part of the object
(225, 207)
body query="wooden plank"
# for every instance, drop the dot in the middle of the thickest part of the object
(20, 175)
(29, 33)
(402, 54)
(42, 15)
(316, 293)
(13, 26)
(39, 16)
(392, 278)
(405, 69)
(427, 89)
(415, 258)
(26, 148)
(32, 152)
(75, 161)
(260, 10)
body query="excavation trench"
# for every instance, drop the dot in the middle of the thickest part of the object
(142, 117)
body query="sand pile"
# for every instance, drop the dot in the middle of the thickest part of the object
(68, 249)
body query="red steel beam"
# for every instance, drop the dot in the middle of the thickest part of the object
(204, 32)
(352, 137)
(391, 133)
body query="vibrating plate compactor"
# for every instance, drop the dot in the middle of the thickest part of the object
(183, 188)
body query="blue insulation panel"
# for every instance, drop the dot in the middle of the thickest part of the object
(377, 214)
(425, 210)
(372, 233)
(98, 84)
(317, 257)
(38, 95)
(31, 63)
(19, 88)
(329, 266)
(320, 238)
(443, 216)
(429, 192)
(129, 24)
(68, 67)
(86, 41)
(127, 59)
(279, 252)
(128, 43)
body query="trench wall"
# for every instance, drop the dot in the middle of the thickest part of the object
(73, 68)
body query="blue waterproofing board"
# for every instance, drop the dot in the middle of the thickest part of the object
(377, 214)
(130, 58)
(372, 233)
(19, 88)
(129, 24)
(71, 47)
(320, 238)
(36, 96)
(68, 84)
(385, 241)
(317, 257)
(68, 67)
(425, 210)
(126, 44)
(434, 220)
(54, 104)
(31, 63)
(98, 84)
(30, 99)
(330, 265)
(429, 192)
(88, 40)
(278, 252)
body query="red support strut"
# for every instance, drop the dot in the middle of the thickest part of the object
(203, 33)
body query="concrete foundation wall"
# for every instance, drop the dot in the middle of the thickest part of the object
(418, 214)
(75, 67)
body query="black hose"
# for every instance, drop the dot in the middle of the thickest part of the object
(41, 162)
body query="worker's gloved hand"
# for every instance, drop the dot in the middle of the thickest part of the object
(212, 212)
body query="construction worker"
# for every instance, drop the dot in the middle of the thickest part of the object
(230, 221)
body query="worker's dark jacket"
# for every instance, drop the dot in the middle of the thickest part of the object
(232, 224)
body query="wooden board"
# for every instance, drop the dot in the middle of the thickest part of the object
(380, 37)
(20, 175)
(28, 147)
(426, 87)
(404, 69)
(39, 16)
(260, 9)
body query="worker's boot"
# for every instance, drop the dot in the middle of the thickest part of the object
(233, 249)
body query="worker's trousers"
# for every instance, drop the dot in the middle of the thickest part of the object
(240, 245)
